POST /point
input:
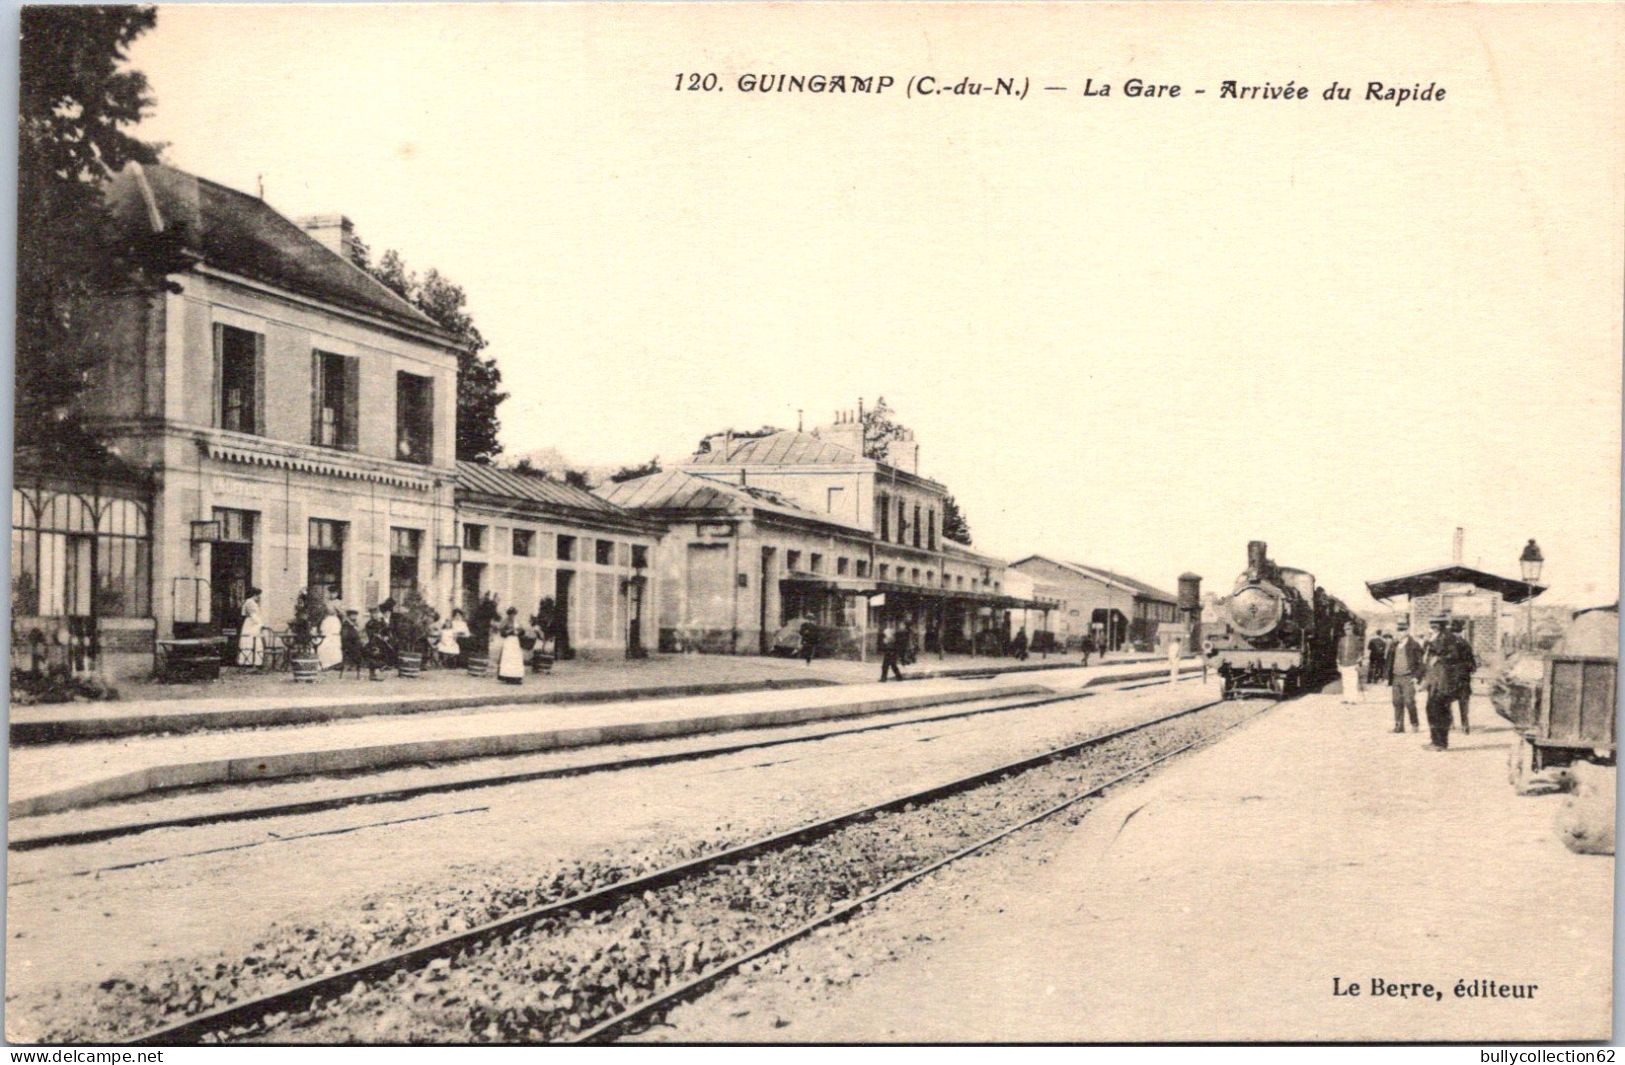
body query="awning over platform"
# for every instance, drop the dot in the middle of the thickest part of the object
(843, 585)
(1427, 582)
(977, 598)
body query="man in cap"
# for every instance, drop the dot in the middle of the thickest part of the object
(1405, 666)
(1462, 664)
(1437, 681)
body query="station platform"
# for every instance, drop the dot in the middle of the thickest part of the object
(51, 778)
(1219, 902)
(244, 699)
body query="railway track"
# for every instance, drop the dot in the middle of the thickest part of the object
(100, 833)
(601, 963)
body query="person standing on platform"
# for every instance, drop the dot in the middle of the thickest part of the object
(1349, 650)
(809, 640)
(1088, 648)
(351, 646)
(1436, 682)
(889, 638)
(1404, 667)
(1460, 664)
(1018, 646)
(377, 651)
(329, 638)
(250, 638)
(1376, 655)
(511, 659)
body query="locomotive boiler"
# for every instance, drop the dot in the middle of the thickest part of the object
(1281, 630)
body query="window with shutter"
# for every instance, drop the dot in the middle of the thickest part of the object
(350, 419)
(414, 418)
(336, 387)
(240, 377)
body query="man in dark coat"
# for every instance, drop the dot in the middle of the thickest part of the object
(1437, 678)
(1461, 662)
(1018, 646)
(889, 639)
(809, 640)
(1376, 656)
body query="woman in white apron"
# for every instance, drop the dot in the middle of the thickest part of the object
(330, 651)
(250, 642)
(511, 665)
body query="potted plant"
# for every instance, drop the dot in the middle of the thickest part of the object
(416, 619)
(480, 624)
(302, 652)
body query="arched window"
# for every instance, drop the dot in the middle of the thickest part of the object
(76, 555)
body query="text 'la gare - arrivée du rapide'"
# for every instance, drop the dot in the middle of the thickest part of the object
(932, 86)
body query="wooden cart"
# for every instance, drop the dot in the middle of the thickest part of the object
(1570, 717)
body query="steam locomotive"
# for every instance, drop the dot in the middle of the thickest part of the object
(1281, 630)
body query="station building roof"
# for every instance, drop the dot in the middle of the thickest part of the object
(1427, 581)
(792, 447)
(242, 234)
(786, 448)
(1137, 588)
(677, 490)
(533, 494)
(529, 486)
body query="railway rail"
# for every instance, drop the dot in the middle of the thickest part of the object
(656, 984)
(261, 812)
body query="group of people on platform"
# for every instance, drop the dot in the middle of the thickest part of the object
(340, 640)
(1441, 664)
(515, 645)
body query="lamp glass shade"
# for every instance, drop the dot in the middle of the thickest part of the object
(1530, 561)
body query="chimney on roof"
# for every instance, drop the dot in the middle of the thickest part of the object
(904, 453)
(846, 431)
(335, 232)
(1457, 544)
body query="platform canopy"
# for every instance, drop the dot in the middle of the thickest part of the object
(1427, 581)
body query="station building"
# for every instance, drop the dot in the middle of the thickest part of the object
(524, 537)
(737, 561)
(1112, 608)
(825, 532)
(284, 420)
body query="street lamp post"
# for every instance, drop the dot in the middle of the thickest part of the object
(1530, 562)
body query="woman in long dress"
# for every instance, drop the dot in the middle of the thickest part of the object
(511, 665)
(330, 649)
(250, 642)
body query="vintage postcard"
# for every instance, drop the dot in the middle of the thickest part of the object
(696, 523)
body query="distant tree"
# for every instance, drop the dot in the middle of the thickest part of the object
(880, 429)
(478, 379)
(632, 473)
(76, 103)
(577, 478)
(704, 446)
(954, 525)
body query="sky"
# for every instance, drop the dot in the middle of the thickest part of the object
(1133, 333)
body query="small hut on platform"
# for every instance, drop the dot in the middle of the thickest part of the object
(1459, 591)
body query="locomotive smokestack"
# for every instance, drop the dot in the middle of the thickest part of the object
(1257, 552)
